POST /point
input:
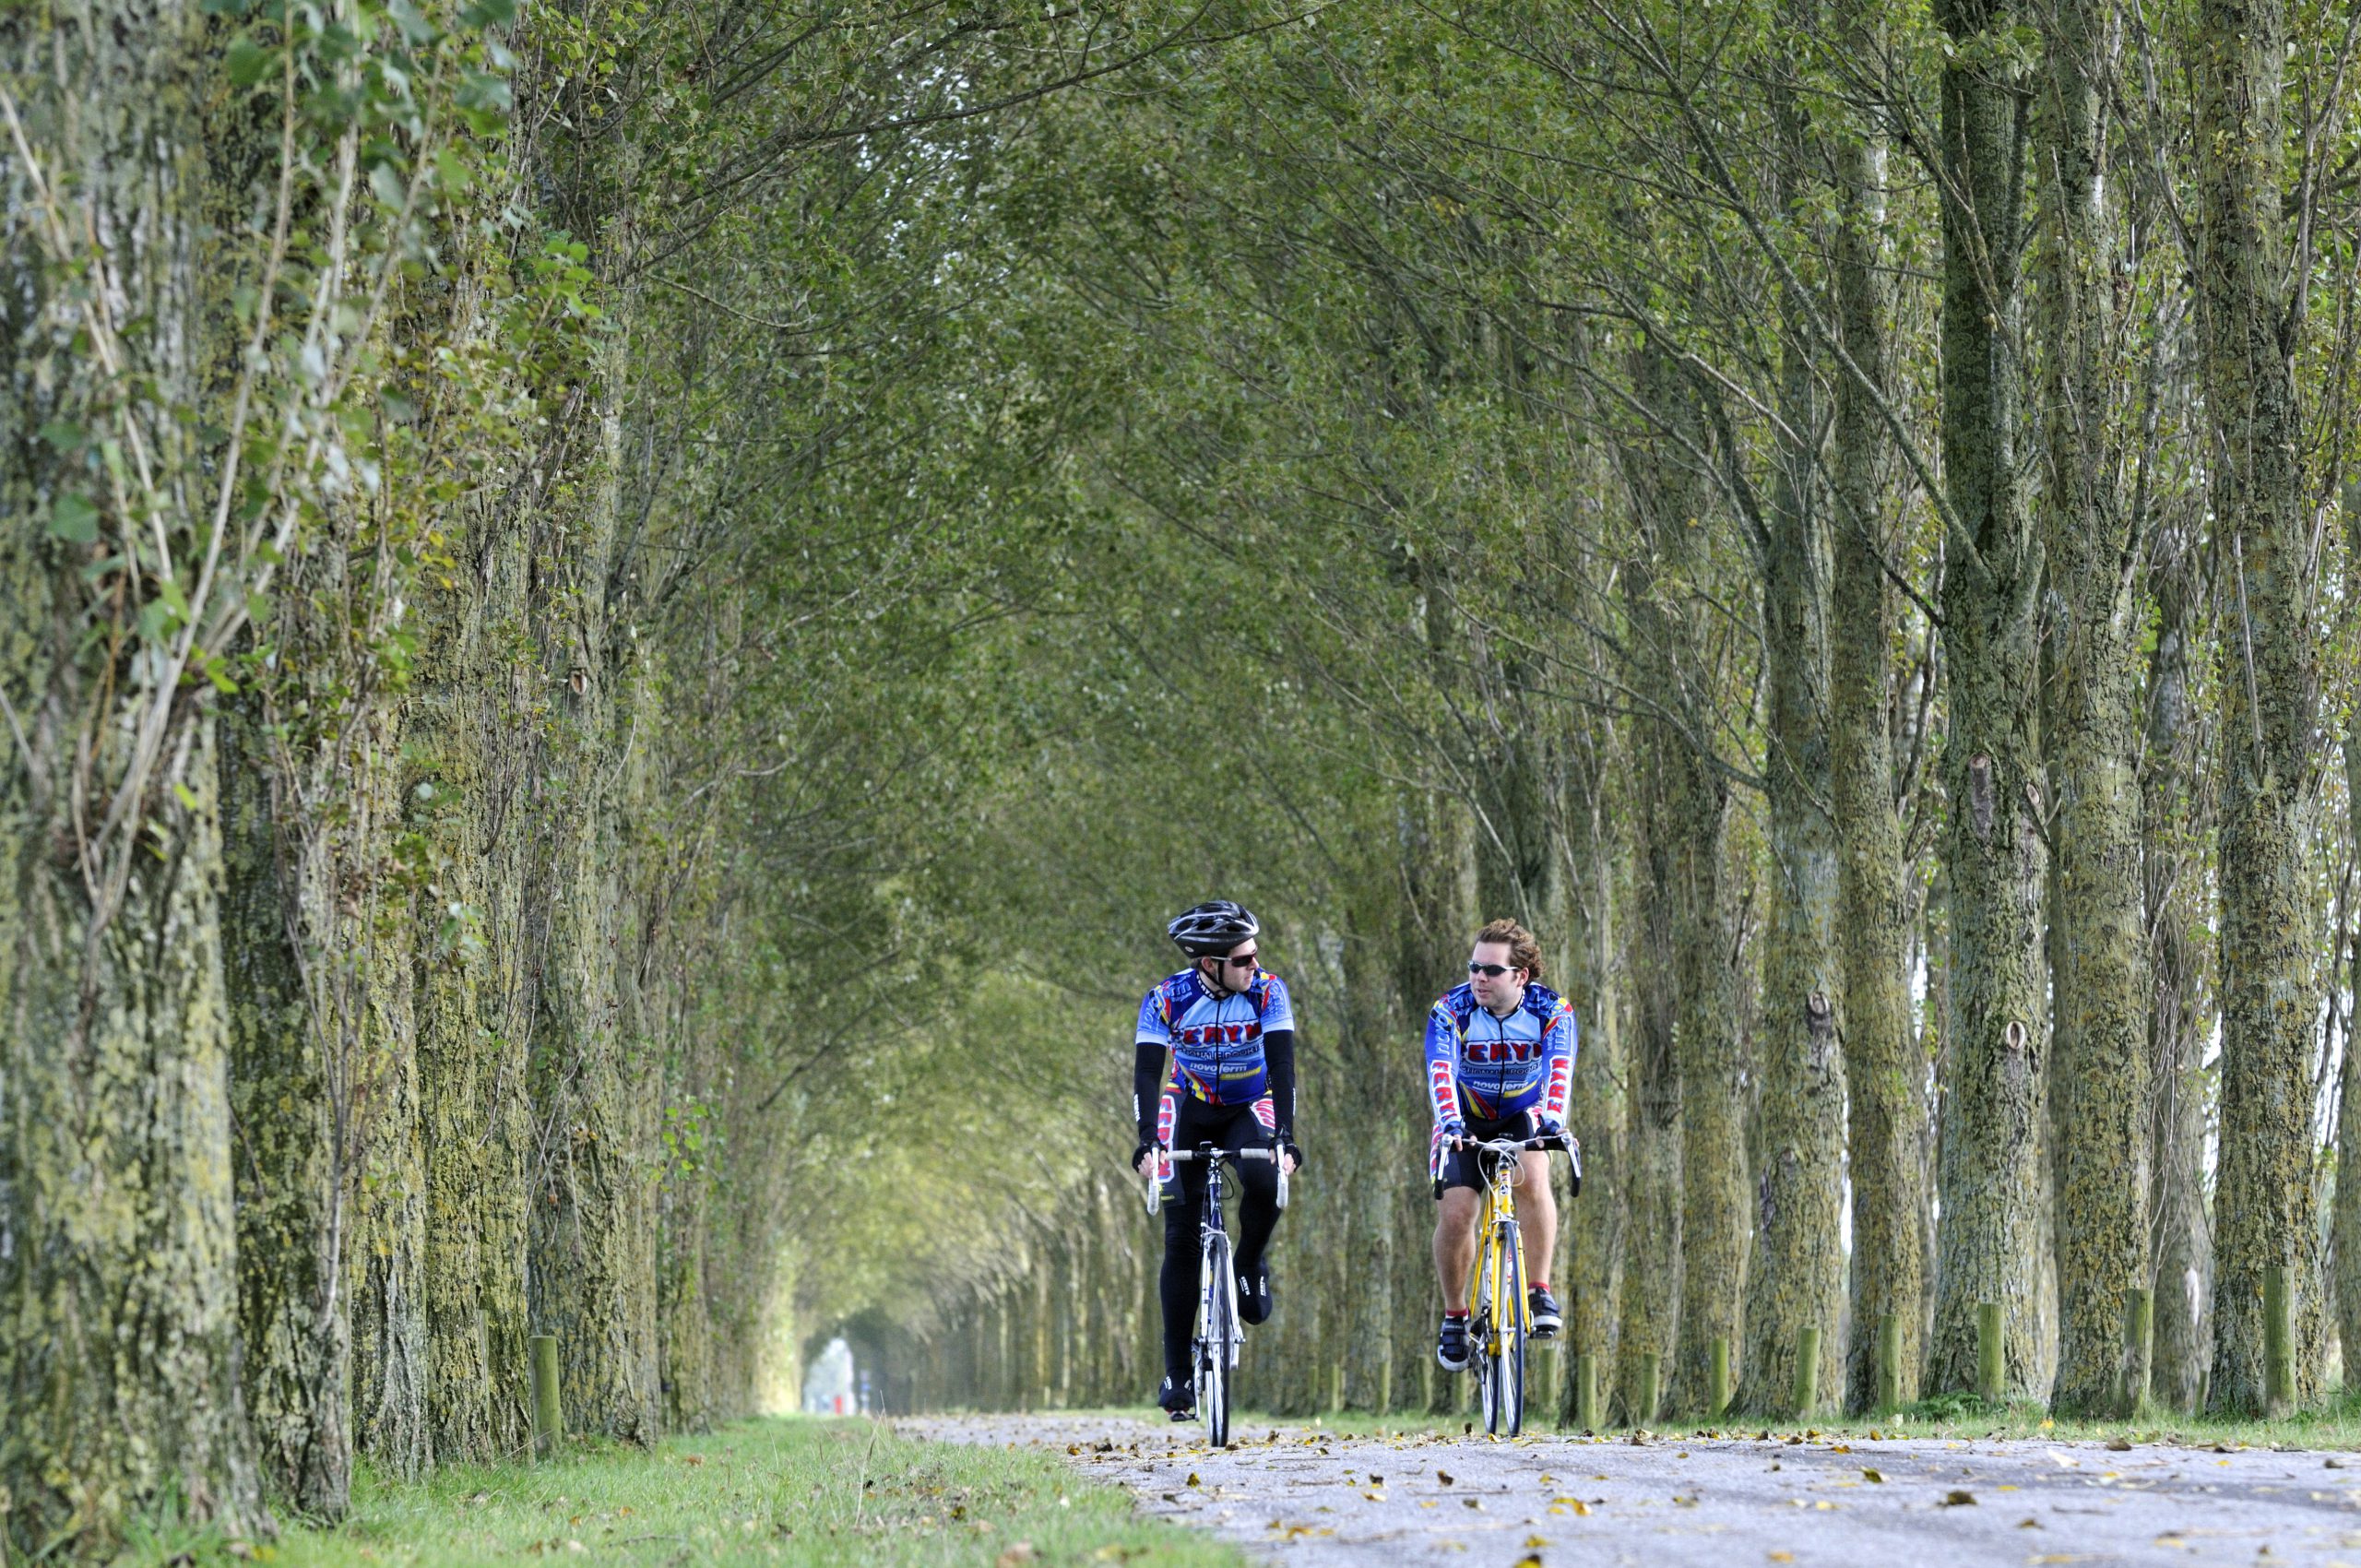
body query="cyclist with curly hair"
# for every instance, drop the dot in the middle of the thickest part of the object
(1500, 1063)
(1230, 1029)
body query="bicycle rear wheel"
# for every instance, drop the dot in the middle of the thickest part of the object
(1213, 1346)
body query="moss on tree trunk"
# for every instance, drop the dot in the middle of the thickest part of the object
(2263, 1195)
(1988, 1236)
(2099, 1070)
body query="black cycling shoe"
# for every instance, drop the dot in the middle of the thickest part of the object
(1256, 1294)
(1450, 1345)
(1179, 1398)
(1547, 1319)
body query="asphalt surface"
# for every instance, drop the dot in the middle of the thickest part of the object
(1310, 1499)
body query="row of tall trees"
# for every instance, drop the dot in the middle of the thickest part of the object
(1832, 514)
(624, 626)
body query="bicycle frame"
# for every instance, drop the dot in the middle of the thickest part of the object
(1497, 1165)
(1216, 1284)
(1501, 1316)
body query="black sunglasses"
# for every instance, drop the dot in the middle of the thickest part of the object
(1489, 971)
(1243, 960)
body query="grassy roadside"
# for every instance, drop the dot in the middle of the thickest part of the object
(784, 1491)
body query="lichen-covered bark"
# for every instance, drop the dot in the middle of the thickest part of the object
(1592, 1248)
(1795, 1279)
(286, 1145)
(1690, 831)
(595, 1169)
(2263, 1195)
(2099, 1071)
(118, 1385)
(2178, 905)
(384, 1262)
(1885, 1073)
(1988, 1237)
(467, 755)
(2344, 1225)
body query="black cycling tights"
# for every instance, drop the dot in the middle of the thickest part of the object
(1230, 1127)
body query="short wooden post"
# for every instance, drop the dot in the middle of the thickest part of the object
(1717, 1382)
(2278, 1339)
(1586, 1391)
(1643, 1410)
(548, 1415)
(1806, 1371)
(1889, 1363)
(2139, 1315)
(1990, 1363)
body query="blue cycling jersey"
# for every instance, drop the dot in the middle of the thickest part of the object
(1498, 1066)
(1217, 1042)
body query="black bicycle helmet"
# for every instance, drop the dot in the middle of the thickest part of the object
(1212, 928)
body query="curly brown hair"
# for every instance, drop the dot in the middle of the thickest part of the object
(1524, 951)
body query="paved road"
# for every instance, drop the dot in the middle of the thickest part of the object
(1300, 1497)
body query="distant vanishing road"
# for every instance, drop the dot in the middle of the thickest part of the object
(1306, 1497)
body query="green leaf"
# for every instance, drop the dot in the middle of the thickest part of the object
(386, 182)
(249, 62)
(65, 435)
(73, 519)
(157, 621)
(187, 796)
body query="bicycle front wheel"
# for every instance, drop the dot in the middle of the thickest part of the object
(1508, 1362)
(1214, 1347)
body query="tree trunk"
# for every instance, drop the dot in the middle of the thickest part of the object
(2177, 908)
(1885, 1071)
(286, 1148)
(1592, 1247)
(2346, 1222)
(1988, 1236)
(2100, 1077)
(468, 756)
(118, 1244)
(2263, 1196)
(1796, 1279)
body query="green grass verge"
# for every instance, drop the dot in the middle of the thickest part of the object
(786, 1491)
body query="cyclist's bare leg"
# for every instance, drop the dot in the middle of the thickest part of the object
(1455, 1244)
(1536, 1214)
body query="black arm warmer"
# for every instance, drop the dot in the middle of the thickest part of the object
(1278, 1052)
(1147, 1065)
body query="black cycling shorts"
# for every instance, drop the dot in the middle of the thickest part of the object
(1456, 1168)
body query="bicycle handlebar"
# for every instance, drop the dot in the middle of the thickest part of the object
(1155, 1187)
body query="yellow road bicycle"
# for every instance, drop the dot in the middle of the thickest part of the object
(1500, 1319)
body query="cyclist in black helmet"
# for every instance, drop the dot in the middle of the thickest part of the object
(1230, 1029)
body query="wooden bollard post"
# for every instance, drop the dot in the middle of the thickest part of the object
(548, 1415)
(1586, 1391)
(1890, 1363)
(1644, 1409)
(1717, 1382)
(1806, 1371)
(2278, 1339)
(2139, 1315)
(1990, 1363)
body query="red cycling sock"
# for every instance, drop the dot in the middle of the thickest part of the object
(1448, 1312)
